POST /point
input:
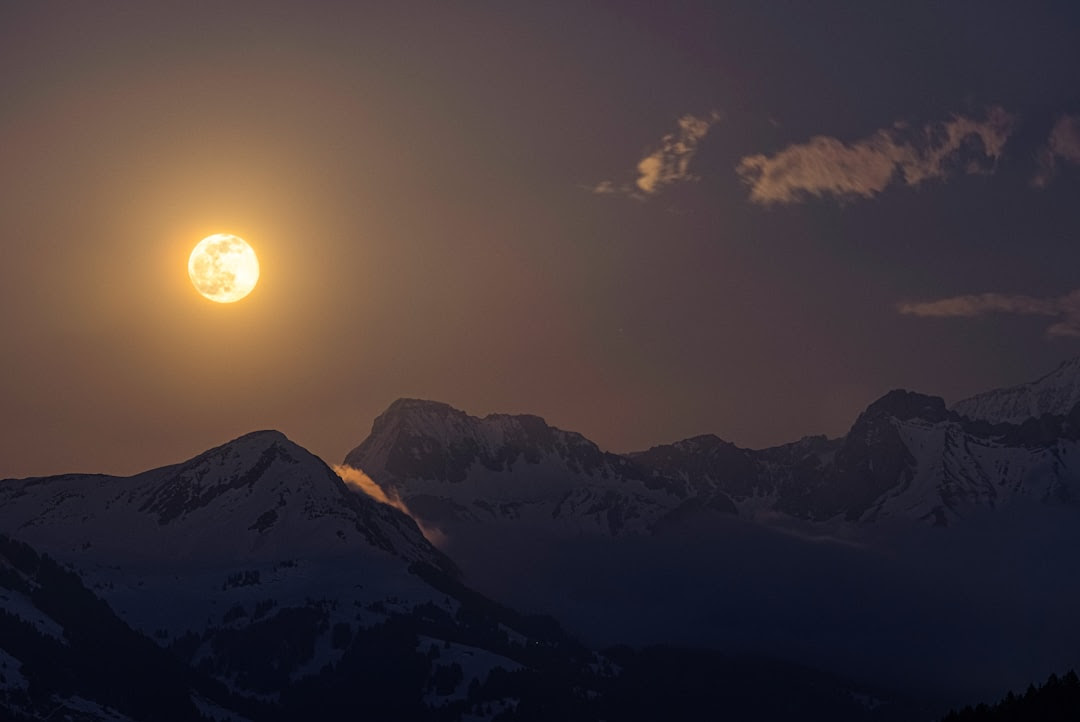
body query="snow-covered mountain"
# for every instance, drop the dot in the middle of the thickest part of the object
(906, 457)
(253, 562)
(1055, 393)
(259, 494)
(902, 541)
(243, 523)
(450, 467)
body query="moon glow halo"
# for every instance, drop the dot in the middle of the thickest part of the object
(223, 268)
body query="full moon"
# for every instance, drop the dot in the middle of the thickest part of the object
(223, 267)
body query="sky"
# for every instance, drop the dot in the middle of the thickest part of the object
(642, 221)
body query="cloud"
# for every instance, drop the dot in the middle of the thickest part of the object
(604, 188)
(1063, 144)
(670, 163)
(360, 482)
(862, 169)
(1065, 309)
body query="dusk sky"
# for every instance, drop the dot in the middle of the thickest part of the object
(642, 221)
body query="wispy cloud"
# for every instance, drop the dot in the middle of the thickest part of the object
(670, 163)
(1062, 145)
(826, 166)
(1064, 309)
(360, 482)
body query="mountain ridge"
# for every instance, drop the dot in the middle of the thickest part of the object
(939, 521)
(206, 555)
(1055, 393)
(251, 478)
(906, 455)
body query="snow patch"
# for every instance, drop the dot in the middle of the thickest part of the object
(11, 677)
(21, 606)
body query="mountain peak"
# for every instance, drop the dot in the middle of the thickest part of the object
(904, 405)
(405, 405)
(1071, 365)
(268, 436)
(1054, 393)
(416, 439)
(251, 446)
(240, 464)
(251, 498)
(417, 414)
(418, 408)
(705, 440)
(247, 450)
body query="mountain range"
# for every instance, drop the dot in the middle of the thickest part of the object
(941, 519)
(270, 589)
(907, 456)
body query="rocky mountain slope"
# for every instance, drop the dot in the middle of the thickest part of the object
(1056, 394)
(449, 467)
(906, 457)
(255, 565)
